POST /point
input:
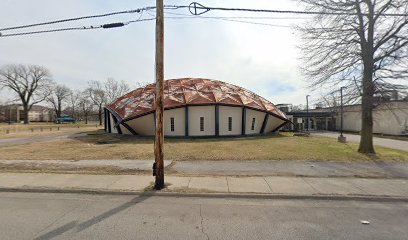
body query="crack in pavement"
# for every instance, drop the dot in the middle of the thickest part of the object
(202, 226)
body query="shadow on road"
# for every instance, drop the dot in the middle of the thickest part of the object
(95, 220)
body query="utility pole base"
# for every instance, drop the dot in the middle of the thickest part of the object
(159, 183)
(342, 139)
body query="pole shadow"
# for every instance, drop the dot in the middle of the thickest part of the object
(95, 220)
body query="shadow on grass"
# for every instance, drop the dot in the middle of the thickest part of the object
(102, 137)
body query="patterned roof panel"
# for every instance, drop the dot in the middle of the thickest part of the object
(190, 91)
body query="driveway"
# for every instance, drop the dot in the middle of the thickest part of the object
(383, 142)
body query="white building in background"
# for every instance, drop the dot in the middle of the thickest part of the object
(389, 117)
(195, 107)
(14, 113)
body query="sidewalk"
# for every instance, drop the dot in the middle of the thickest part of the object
(288, 186)
(383, 142)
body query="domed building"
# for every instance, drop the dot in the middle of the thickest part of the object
(195, 107)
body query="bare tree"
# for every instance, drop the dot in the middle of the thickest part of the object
(299, 107)
(97, 94)
(73, 102)
(86, 105)
(358, 44)
(30, 82)
(58, 96)
(115, 89)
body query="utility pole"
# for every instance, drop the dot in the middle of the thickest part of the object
(341, 110)
(341, 138)
(307, 113)
(158, 166)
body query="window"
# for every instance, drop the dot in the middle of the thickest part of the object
(230, 124)
(253, 124)
(172, 124)
(202, 124)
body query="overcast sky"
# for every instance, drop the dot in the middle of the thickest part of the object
(264, 59)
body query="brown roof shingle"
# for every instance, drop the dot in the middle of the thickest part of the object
(190, 91)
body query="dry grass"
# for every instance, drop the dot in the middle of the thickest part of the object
(46, 132)
(282, 147)
(18, 130)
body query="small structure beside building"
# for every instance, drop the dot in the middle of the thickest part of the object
(14, 114)
(195, 107)
(390, 118)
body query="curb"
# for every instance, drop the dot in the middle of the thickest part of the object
(371, 198)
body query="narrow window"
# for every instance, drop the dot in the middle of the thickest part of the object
(230, 124)
(172, 124)
(202, 124)
(253, 124)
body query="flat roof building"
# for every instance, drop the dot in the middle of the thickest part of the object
(389, 117)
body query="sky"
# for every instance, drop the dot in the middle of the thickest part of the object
(261, 58)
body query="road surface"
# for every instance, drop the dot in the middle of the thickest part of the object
(74, 216)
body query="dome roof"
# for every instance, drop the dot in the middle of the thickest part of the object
(190, 91)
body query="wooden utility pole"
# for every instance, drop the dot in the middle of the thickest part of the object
(158, 166)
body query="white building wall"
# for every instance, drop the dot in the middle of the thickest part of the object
(391, 118)
(179, 122)
(388, 118)
(351, 121)
(236, 114)
(259, 118)
(194, 114)
(112, 124)
(273, 123)
(143, 125)
(124, 130)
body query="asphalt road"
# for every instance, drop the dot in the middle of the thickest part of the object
(75, 216)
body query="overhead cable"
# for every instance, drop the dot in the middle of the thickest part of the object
(231, 20)
(194, 8)
(138, 10)
(109, 25)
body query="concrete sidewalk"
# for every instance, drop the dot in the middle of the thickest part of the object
(383, 142)
(290, 186)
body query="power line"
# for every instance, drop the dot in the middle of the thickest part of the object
(76, 19)
(121, 24)
(138, 10)
(109, 25)
(194, 6)
(231, 20)
(226, 18)
(49, 31)
(235, 17)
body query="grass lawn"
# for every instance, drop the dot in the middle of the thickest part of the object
(282, 147)
(47, 132)
(7, 131)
